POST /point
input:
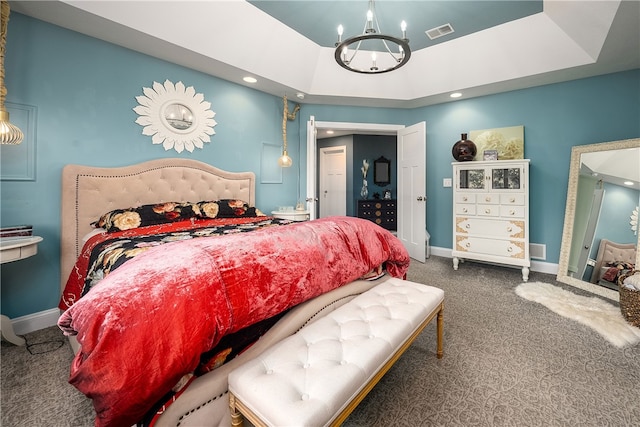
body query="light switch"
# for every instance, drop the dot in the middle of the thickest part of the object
(446, 182)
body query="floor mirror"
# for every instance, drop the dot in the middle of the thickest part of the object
(602, 199)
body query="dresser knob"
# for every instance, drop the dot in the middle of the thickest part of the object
(487, 211)
(488, 199)
(510, 249)
(467, 226)
(464, 210)
(512, 200)
(464, 199)
(509, 229)
(512, 212)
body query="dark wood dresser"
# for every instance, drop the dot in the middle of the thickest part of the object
(382, 212)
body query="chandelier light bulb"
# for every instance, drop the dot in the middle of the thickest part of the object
(340, 32)
(403, 27)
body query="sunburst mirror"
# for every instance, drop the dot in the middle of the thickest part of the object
(175, 116)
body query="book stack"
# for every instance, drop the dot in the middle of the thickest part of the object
(16, 231)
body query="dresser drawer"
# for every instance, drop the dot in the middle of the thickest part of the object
(488, 199)
(512, 199)
(498, 228)
(465, 209)
(493, 247)
(488, 210)
(465, 198)
(512, 211)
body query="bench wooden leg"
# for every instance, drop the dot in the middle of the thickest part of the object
(237, 420)
(440, 331)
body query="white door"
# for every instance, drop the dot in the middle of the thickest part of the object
(333, 181)
(412, 142)
(311, 168)
(587, 243)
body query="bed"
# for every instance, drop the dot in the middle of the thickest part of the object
(89, 192)
(612, 261)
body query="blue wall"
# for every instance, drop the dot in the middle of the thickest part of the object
(84, 90)
(371, 147)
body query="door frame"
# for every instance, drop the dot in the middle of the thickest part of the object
(312, 146)
(366, 128)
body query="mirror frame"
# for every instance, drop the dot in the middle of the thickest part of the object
(569, 215)
(382, 166)
(152, 113)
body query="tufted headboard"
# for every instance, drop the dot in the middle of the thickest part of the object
(609, 251)
(88, 192)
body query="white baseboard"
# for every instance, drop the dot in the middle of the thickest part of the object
(36, 321)
(538, 266)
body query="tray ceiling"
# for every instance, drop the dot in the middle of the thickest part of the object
(287, 45)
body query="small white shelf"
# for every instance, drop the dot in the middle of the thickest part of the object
(293, 215)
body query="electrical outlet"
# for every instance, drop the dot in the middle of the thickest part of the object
(446, 182)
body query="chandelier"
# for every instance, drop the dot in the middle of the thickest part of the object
(386, 53)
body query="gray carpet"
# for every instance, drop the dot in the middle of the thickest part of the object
(508, 362)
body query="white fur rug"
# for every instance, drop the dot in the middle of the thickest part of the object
(599, 315)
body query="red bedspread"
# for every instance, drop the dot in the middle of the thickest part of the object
(146, 324)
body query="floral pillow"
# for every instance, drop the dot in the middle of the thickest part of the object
(225, 208)
(161, 213)
(615, 269)
(145, 215)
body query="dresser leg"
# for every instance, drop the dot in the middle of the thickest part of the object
(455, 263)
(525, 273)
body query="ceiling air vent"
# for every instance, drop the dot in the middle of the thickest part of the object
(440, 31)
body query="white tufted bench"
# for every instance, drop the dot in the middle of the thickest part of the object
(318, 376)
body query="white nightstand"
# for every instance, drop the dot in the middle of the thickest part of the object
(14, 249)
(293, 215)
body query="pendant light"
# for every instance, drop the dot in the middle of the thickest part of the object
(9, 133)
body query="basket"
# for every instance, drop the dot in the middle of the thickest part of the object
(630, 299)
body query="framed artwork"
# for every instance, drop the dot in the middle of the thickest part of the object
(508, 142)
(18, 162)
(490, 155)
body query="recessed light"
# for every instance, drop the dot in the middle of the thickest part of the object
(628, 183)
(300, 95)
(455, 95)
(329, 132)
(250, 79)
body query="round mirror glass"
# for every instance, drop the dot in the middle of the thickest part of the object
(178, 116)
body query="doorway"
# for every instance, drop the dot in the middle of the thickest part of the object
(333, 181)
(416, 192)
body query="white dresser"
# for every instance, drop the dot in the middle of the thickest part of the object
(491, 213)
